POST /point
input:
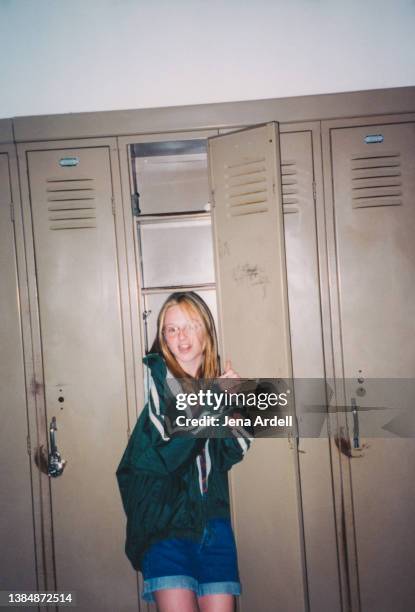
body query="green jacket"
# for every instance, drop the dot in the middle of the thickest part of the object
(160, 477)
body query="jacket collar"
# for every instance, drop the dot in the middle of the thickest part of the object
(157, 365)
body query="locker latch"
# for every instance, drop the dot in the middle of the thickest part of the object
(135, 204)
(56, 464)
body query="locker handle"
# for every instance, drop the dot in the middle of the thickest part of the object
(355, 414)
(56, 464)
(342, 441)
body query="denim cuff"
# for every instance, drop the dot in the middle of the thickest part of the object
(219, 588)
(168, 582)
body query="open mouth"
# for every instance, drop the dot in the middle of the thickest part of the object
(185, 348)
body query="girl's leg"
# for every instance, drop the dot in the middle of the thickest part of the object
(217, 603)
(177, 600)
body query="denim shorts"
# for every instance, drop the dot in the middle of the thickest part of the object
(207, 567)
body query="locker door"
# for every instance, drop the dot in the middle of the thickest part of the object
(374, 212)
(17, 559)
(83, 366)
(300, 232)
(246, 188)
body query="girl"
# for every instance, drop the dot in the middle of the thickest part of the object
(175, 489)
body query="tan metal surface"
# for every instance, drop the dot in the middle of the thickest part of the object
(300, 158)
(172, 181)
(247, 207)
(17, 559)
(203, 116)
(246, 186)
(169, 255)
(76, 266)
(6, 131)
(375, 225)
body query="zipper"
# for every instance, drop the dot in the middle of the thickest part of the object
(205, 532)
(202, 499)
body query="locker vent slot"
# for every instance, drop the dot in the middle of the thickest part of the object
(71, 203)
(246, 189)
(376, 180)
(290, 187)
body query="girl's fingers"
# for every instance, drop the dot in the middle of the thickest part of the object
(229, 372)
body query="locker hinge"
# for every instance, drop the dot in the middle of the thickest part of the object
(113, 205)
(135, 204)
(314, 191)
(29, 446)
(12, 211)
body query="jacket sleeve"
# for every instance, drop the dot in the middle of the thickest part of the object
(150, 448)
(165, 456)
(225, 452)
(150, 452)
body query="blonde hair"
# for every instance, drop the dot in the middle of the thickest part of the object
(193, 305)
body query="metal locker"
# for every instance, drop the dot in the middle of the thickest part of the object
(17, 560)
(301, 181)
(373, 224)
(157, 212)
(72, 195)
(251, 270)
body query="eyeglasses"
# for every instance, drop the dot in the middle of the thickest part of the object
(172, 331)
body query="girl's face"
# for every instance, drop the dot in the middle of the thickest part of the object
(185, 336)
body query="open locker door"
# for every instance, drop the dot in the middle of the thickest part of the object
(253, 305)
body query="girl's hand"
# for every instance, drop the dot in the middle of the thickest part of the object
(229, 372)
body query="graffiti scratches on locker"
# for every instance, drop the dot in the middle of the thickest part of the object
(36, 388)
(250, 273)
(224, 249)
